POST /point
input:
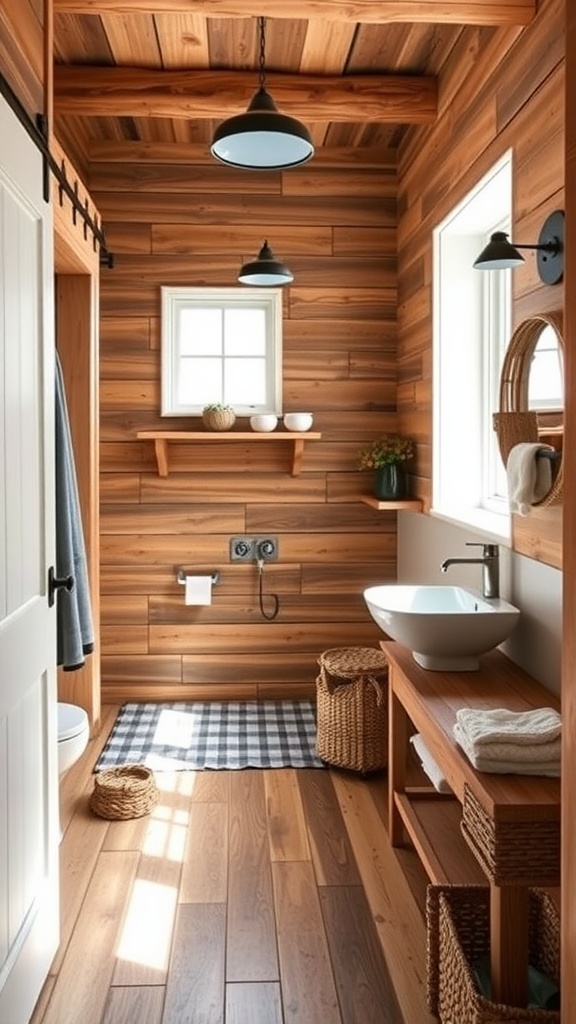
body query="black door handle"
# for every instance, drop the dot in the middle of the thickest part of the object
(55, 583)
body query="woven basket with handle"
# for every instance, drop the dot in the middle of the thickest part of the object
(352, 703)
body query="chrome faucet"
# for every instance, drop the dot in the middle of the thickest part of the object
(490, 563)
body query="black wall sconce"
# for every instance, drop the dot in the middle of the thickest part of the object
(500, 254)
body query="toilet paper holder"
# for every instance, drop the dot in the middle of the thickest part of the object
(181, 576)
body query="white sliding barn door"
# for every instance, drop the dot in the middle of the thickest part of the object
(28, 739)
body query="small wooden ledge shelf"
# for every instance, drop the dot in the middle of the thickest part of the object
(162, 439)
(391, 506)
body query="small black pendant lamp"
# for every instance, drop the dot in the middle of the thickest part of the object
(262, 138)
(265, 270)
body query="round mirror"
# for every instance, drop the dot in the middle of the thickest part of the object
(532, 393)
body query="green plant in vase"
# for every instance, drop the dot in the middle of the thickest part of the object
(387, 456)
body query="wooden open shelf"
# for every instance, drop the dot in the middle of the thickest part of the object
(162, 439)
(508, 807)
(387, 506)
(433, 825)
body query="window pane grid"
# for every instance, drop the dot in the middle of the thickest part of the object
(224, 347)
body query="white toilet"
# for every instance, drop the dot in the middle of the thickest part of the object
(73, 734)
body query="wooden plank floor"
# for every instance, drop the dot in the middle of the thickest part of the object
(248, 897)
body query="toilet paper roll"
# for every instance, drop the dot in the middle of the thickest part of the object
(198, 590)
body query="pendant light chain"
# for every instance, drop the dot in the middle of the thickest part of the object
(262, 59)
(262, 138)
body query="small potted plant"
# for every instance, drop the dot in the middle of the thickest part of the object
(218, 417)
(387, 457)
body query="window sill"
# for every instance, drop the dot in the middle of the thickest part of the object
(493, 525)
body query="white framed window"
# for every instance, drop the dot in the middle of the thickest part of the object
(472, 326)
(221, 345)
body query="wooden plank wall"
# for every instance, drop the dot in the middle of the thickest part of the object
(22, 51)
(195, 224)
(500, 89)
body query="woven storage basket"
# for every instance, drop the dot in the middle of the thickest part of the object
(458, 920)
(512, 852)
(352, 708)
(129, 791)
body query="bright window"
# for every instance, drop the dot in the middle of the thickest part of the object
(545, 383)
(471, 330)
(221, 345)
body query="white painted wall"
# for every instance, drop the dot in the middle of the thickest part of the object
(425, 541)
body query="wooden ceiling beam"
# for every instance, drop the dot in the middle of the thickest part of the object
(375, 12)
(136, 92)
(353, 157)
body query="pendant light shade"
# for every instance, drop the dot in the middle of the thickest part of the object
(262, 138)
(265, 270)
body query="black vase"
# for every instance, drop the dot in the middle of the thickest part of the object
(390, 482)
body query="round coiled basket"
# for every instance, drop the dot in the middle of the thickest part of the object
(129, 791)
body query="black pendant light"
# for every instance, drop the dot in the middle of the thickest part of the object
(265, 270)
(262, 138)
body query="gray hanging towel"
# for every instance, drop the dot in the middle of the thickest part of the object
(75, 633)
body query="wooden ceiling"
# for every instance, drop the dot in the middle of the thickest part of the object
(357, 72)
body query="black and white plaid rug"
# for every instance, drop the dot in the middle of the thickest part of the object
(245, 734)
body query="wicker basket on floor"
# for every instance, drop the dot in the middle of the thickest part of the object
(129, 791)
(352, 708)
(458, 919)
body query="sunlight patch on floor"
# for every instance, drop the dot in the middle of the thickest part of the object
(166, 833)
(147, 933)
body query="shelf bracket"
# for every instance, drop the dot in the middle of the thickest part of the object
(297, 457)
(161, 449)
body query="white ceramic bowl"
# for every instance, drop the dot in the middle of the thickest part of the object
(298, 420)
(263, 422)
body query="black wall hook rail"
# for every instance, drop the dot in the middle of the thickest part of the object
(38, 132)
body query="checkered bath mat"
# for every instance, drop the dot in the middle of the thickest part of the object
(247, 734)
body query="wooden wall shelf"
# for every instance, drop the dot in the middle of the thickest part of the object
(162, 438)
(387, 506)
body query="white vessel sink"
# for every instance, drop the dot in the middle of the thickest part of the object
(446, 628)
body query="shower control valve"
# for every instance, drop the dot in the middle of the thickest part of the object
(267, 548)
(242, 549)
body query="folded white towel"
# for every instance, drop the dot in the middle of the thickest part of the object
(518, 766)
(529, 477)
(499, 725)
(429, 765)
(536, 752)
